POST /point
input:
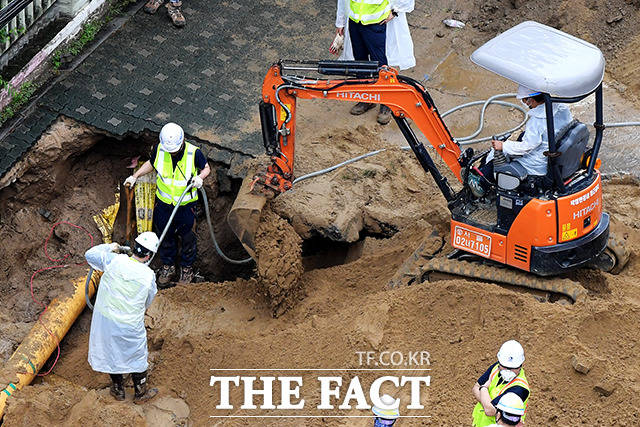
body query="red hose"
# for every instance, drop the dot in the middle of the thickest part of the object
(46, 242)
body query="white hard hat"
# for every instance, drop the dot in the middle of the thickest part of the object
(148, 240)
(390, 412)
(525, 92)
(511, 354)
(511, 404)
(171, 137)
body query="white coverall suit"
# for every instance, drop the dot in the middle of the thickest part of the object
(118, 339)
(530, 151)
(399, 46)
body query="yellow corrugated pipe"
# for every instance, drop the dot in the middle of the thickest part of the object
(38, 346)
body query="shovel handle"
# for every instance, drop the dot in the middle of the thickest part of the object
(128, 191)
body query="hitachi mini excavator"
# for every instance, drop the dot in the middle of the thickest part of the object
(545, 226)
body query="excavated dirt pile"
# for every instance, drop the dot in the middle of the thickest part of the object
(279, 263)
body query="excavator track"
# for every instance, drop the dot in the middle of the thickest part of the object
(617, 248)
(493, 274)
(428, 258)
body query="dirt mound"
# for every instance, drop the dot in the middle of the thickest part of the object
(279, 263)
(376, 196)
(61, 403)
(460, 323)
(611, 25)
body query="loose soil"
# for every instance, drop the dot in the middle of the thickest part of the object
(385, 205)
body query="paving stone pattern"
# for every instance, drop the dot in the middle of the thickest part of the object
(206, 77)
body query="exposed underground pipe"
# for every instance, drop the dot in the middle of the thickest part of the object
(38, 346)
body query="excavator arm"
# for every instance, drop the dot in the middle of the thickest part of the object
(361, 82)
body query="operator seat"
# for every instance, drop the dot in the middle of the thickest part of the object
(572, 143)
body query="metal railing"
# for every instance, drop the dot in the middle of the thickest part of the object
(17, 16)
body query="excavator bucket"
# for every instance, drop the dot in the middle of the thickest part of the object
(244, 216)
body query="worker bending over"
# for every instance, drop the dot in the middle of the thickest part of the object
(177, 163)
(507, 374)
(118, 339)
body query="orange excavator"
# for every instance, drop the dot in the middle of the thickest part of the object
(545, 226)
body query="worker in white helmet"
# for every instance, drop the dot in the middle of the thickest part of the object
(509, 410)
(524, 155)
(507, 374)
(388, 413)
(118, 338)
(178, 164)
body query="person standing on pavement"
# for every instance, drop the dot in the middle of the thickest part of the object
(376, 30)
(118, 338)
(177, 164)
(173, 9)
(507, 374)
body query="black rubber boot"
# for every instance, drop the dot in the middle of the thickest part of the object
(142, 393)
(117, 386)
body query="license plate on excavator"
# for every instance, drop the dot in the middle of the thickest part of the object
(472, 241)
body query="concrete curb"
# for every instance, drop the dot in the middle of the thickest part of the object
(36, 66)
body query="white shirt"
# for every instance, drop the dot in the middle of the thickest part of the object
(535, 141)
(399, 46)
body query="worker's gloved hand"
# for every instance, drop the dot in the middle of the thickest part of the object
(115, 247)
(337, 44)
(130, 182)
(197, 181)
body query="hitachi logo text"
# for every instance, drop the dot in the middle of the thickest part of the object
(359, 96)
(582, 212)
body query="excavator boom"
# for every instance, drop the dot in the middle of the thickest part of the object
(360, 82)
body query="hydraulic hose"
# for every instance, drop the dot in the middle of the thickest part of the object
(211, 232)
(213, 236)
(329, 169)
(173, 214)
(465, 140)
(86, 288)
(621, 124)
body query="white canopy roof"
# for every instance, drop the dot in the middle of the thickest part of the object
(543, 59)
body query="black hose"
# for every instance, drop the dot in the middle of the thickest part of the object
(213, 235)
(164, 232)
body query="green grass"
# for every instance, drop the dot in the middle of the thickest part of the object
(87, 35)
(18, 100)
(89, 32)
(20, 97)
(6, 35)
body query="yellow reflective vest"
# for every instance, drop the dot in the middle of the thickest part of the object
(369, 11)
(480, 419)
(172, 182)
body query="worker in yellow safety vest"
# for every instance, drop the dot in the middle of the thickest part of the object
(506, 375)
(367, 36)
(177, 164)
